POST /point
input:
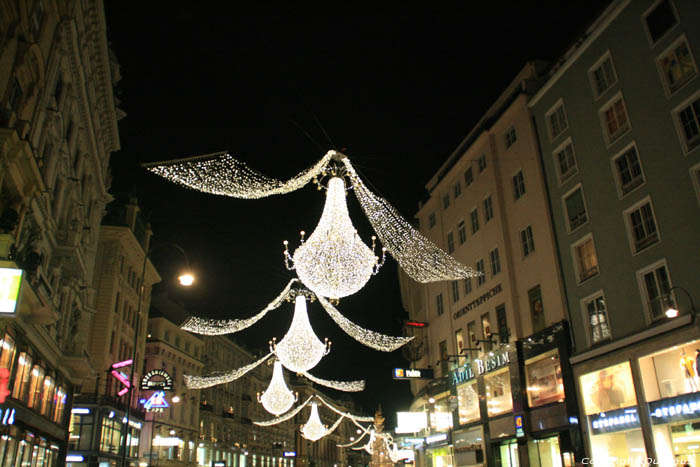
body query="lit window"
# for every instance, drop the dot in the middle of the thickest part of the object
(455, 291)
(597, 318)
(450, 242)
(659, 20)
(462, 230)
(677, 66)
(518, 185)
(474, 215)
(565, 161)
(488, 209)
(628, 170)
(486, 331)
(511, 137)
(556, 119)
(481, 278)
(585, 259)
(614, 119)
(536, 308)
(655, 286)
(688, 118)
(602, 75)
(438, 302)
(527, 241)
(20, 389)
(575, 209)
(495, 261)
(36, 381)
(468, 176)
(641, 225)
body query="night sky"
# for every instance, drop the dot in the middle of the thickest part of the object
(395, 93)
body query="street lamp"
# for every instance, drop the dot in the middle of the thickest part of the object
(186, 279)
(671, 310)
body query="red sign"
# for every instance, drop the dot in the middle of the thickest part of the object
(4, 379)
(416, 324)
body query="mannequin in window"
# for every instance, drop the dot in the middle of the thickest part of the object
(688, 365)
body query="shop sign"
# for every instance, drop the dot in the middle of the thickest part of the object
(10, 287)
(218, 463)
(289, 454)
(155, 403)
(436, 440)
(466, 372)
(414, 441)
(169, 441)
(614, 420)
(478, 301)
(413, 373)
(411, 422)
(121, 377)
(7, 416)
(4, 381)
(675, 409)
(519, 430)
(157, 380)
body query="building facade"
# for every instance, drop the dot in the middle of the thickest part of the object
(58, 127)
(495, 342)
(619, 123)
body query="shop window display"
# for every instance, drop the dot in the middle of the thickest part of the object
(544, 381)
(498, 397)
(469, 447)
(671, 372)
(610, 403)
(441, 417)
(468, 402)
(544, 452)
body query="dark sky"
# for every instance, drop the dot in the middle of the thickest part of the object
(396, 93)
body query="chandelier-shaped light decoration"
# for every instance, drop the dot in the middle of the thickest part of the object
(283, 418)
(277, 398)
(333, 262)
(300, 349)
(289, 415)
(201, 382)
(214, 327)
(313, 429)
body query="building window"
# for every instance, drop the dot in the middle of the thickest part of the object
(455, 291)
(482, 163)
(602, 75)
(444, 359)
(518, 185)
(597, 318)
(457, 189)
(7, 353)
(20, 388)
(695, 177)
(688, 119)
(36, 381)
(677, 66)
(641, 225)
(462, 231)
(471, 343)
(659, 19)
(481, 278)
(488, 209)
(565, 161)
(628, 170)
(495, 262)
(527, 241)
(575, 209)
(655, 286)
(438, 303)
(585, 259)
(111, 435)
(556, 120)
(450, 242)
(80, 438)
(446, 201)
(502, 320)
(468, 176)
(474, 215)
(536, 309)
(431, 220)
(15, 95)
(614, 119)
(467, 286)
(511, 137)
(486, 331)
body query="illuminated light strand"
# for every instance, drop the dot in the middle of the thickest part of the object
(347, 386)
(356, 418)
(300, 349)
(201, 382)
(296, 410)
(365, 432)
(333, 262)
(277, 398)
(222, 174)
(364, 336)
(215, 327)
(313, 429)
(285, 417)
(420, 258)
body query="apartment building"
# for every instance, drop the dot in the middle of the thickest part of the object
(619, 123)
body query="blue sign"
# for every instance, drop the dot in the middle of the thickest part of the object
(7, 416)
(155, 403)
(519, 430)
(674, 409)
(614, 420)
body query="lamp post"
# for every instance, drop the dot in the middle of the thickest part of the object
(186, 279)
(671, 310)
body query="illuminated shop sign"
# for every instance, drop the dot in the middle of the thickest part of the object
(479, 300)
(483, 365)
(437, 439)
(218, 463)
(7, 416)
(10, 285)
(74, 458)
(416, 441)
(169, 441)
(157, 380)
(675, 409)
(411, 422)
(4, 381)
(413, 373)
(614, 420)
(289, 454)
(155, 403)
(519, 430)
(121, 377)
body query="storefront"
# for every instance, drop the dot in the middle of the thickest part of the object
(438, 450)
(645, 405)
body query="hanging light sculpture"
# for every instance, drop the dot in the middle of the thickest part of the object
(334, 262)
(300, 349)
(313, 429)
(277, 398)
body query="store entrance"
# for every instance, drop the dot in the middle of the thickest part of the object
(509, 454)
(544, 452)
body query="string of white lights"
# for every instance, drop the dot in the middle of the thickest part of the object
(201, 382)
(345, 414)
(222, 174)
(418, 257)
(347, 386)
(365, 432)
(364, 336)
(285, 417)
(277, 398)
(214, 327)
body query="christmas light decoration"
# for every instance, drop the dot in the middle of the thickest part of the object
(300, 349)
(364, 336)
(347, 386)
(214, 327)
(353, 418)
(333, 262)
(419, 257)
(285, 417)
(277, 398)
(221, 174)
(201, 382)
(313, 429)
